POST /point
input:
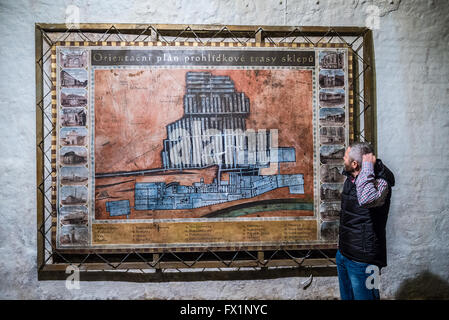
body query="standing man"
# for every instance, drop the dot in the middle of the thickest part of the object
(364, 211)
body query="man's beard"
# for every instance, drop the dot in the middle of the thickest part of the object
(348, 168)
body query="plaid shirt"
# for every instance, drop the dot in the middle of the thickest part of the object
(371, 192)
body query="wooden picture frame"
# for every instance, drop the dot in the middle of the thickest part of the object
(330, 83)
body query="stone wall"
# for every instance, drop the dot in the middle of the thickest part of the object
(411, 50)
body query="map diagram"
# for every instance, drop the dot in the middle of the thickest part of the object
(203, 144)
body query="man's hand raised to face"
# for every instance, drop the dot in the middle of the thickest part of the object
(369, 157)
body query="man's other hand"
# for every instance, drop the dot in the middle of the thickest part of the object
(369, 157)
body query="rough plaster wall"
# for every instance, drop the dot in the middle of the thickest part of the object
(411, 48)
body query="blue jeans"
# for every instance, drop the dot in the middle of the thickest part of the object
(352, 279)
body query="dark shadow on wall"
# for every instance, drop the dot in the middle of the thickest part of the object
(425, 286)
(193, 276)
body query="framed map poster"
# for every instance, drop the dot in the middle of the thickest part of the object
(181, 147)
(166, 147)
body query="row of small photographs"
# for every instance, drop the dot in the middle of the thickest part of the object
(332, 119)
(71, 98)
(73, 235)
(73, 58)
(331, 60)
(330, 210)
(73, 215)
(73, 78)
(332, 154)
(73, 156)
(73, 117)
(332, 98)
(331, 79)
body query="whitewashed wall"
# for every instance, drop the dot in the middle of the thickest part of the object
(411, 48)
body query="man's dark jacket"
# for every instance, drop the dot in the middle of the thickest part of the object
(362, 230)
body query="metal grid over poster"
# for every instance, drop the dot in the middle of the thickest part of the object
(187, 147)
